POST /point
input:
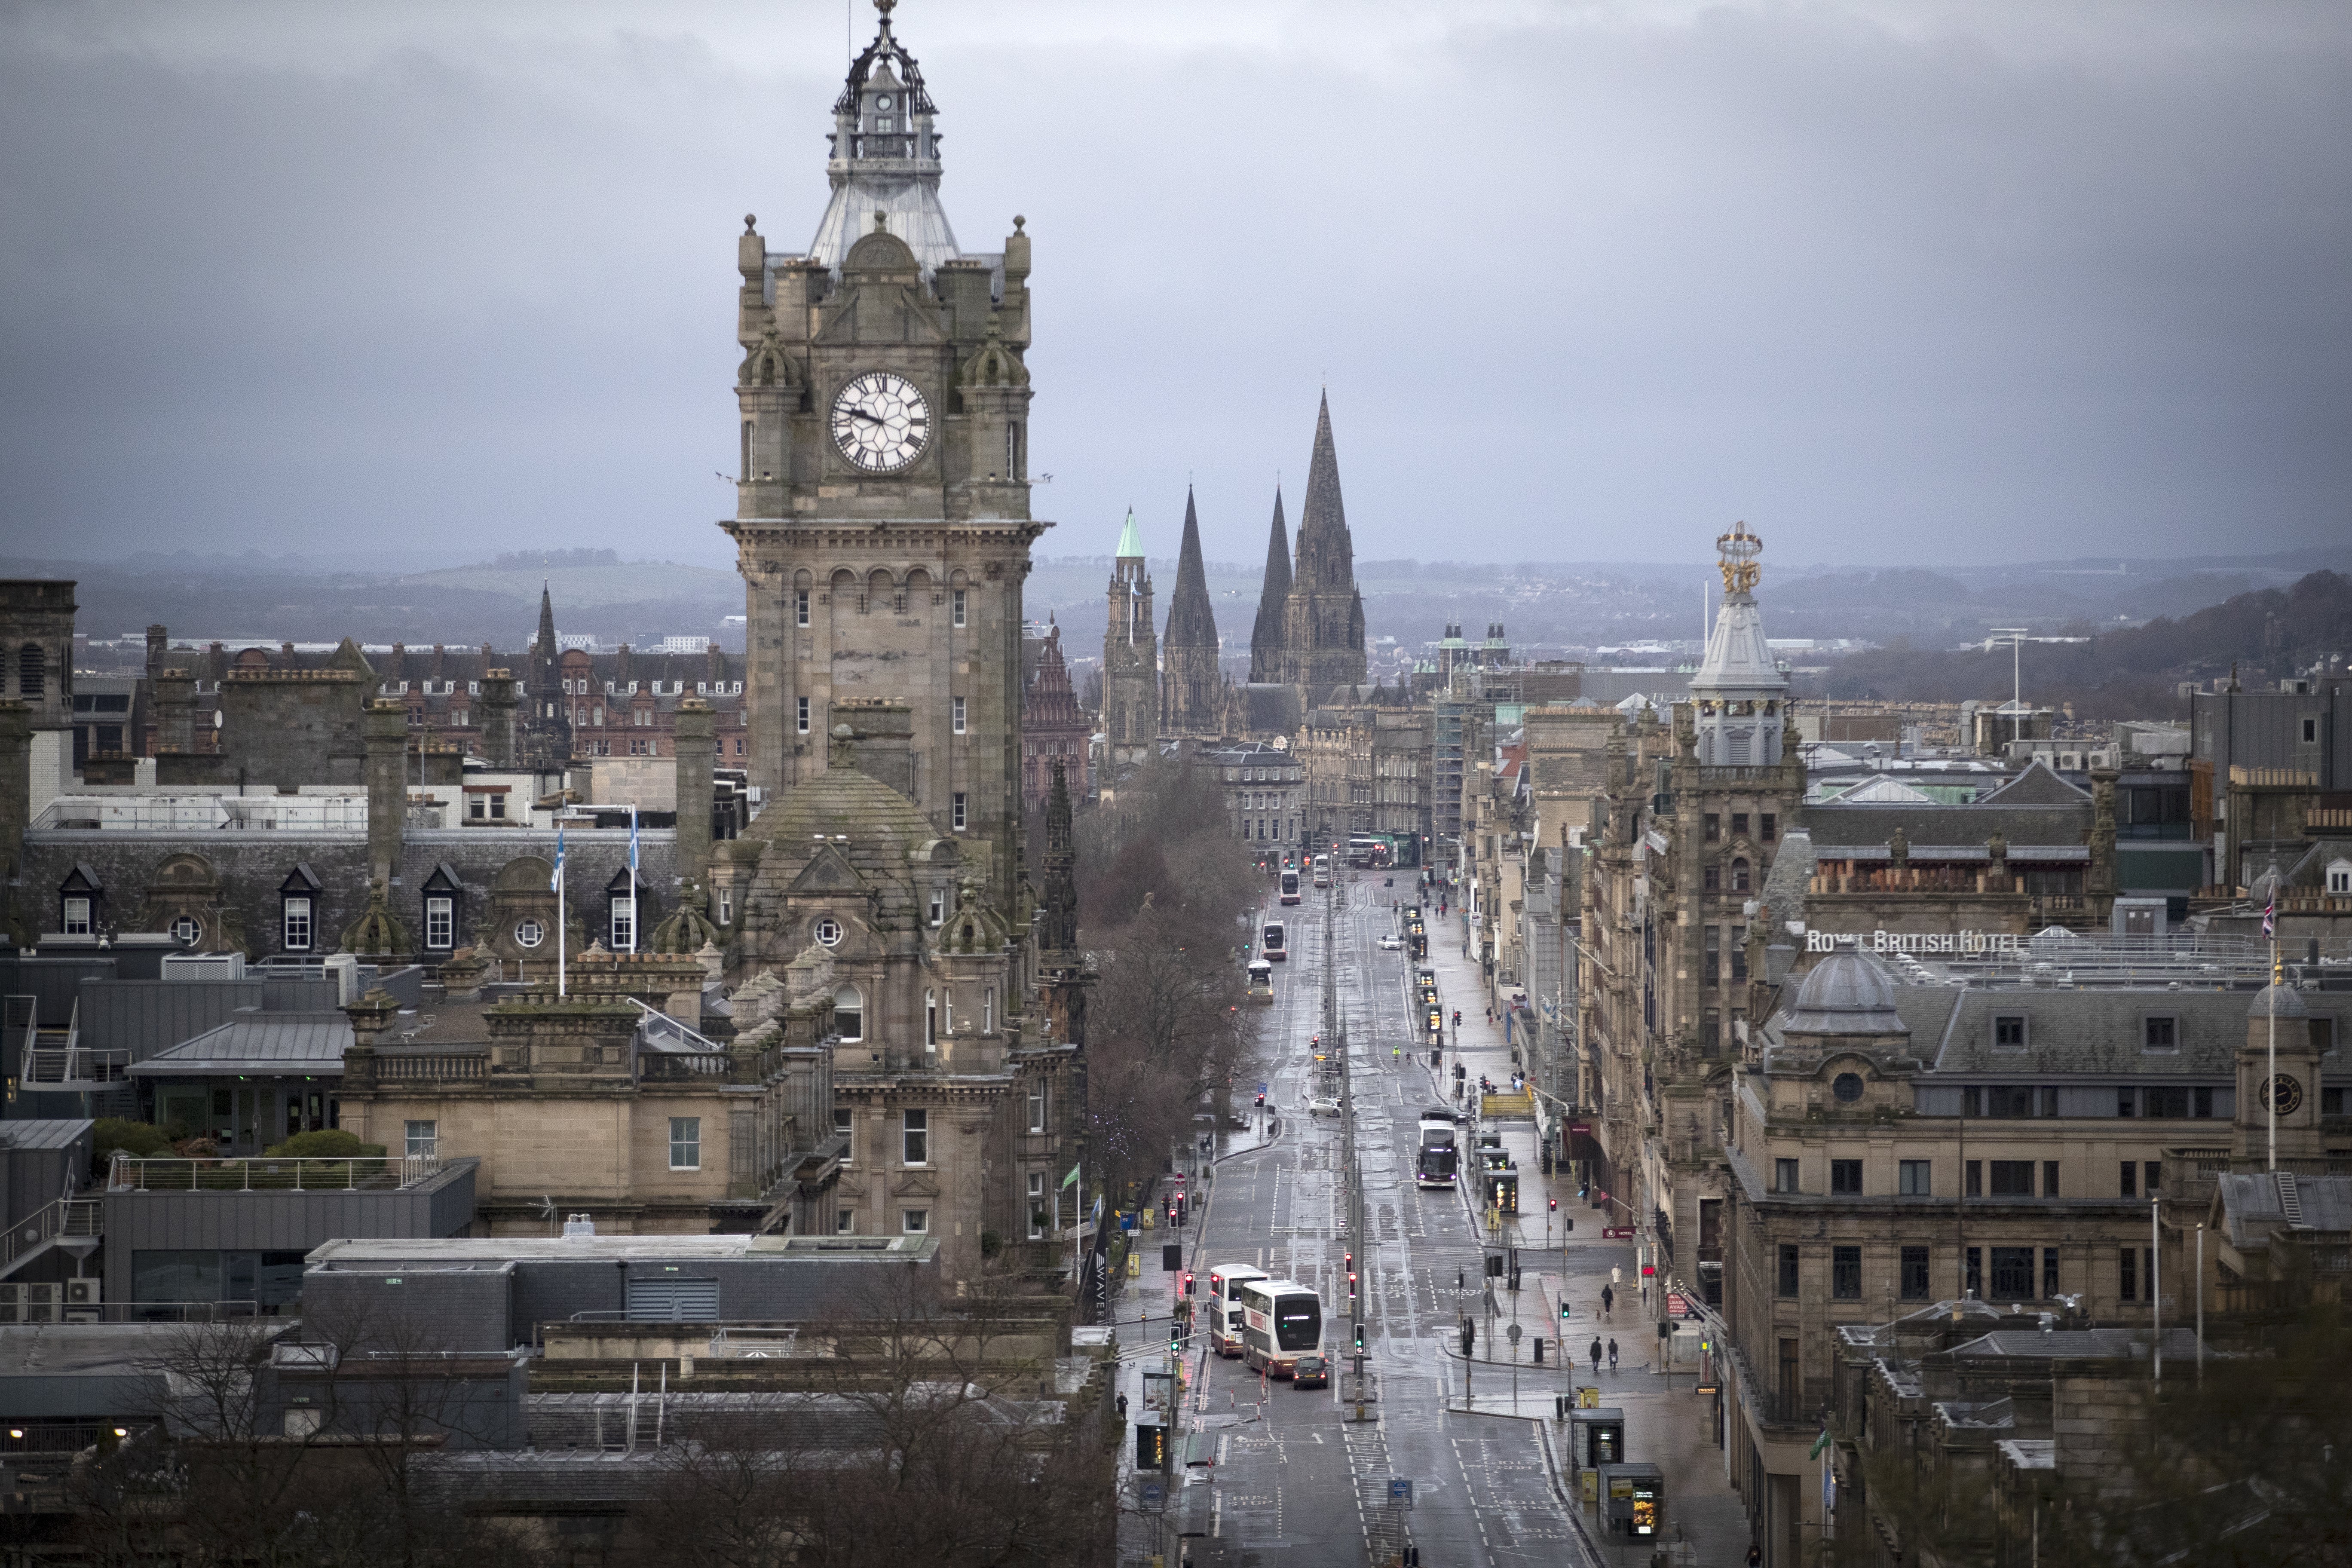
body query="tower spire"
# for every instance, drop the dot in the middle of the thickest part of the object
(1265, 637)
(1189, 650)
(1323, 622)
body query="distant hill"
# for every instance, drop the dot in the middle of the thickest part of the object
(2130, 672)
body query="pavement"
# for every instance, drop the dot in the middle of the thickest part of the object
(1666, 1424)
(1295, 1479)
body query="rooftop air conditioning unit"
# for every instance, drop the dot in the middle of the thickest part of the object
(83, 1292)
(204, 966)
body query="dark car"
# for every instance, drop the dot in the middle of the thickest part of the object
(1312, 1371)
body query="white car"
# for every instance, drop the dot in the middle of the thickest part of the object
(1324, 1106)
(1392, 942)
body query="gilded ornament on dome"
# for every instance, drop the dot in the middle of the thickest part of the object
(1736, 552)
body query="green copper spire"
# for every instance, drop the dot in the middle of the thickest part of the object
(1130, 539)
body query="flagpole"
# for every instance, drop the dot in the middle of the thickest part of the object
(562, 975)
(633, 879)
(2270, 1084)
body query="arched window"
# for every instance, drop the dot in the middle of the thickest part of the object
(1739, 874)
(849, 1014)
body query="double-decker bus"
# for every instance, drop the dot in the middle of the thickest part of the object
(1281, 1321)
(1273, 942)
(1225, 1282)
(1322, 870)
(1435, 1165)
(1290, 886)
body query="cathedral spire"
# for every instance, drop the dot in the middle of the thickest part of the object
(1192, 621)
(1189, 678)
(1323, 619)
(1265, 637)
(546, 622)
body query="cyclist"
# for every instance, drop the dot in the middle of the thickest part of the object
(1396, 1054)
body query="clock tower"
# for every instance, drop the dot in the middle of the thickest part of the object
(882, 520)
(2278, 1066)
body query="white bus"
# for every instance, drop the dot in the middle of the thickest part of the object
(1225, 1282)
(1281, 1321)
(1322, 870)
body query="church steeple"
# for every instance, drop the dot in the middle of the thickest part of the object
(1189, 650)
(1323, 624)
(1265, 638)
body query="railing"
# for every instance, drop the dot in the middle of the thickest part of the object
(47, 1303)
(675, 1066)
(54, 1221)
(264, 1173)
(432, 1066)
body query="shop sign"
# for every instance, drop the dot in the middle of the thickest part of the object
(1963, 944)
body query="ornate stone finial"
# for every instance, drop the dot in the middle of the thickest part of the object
(1736, 553)
(881, 221)
(750, 222)
(844, 750)
(885, 6)
(1017, 221)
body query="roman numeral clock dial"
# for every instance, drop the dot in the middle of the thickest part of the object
(881, 422)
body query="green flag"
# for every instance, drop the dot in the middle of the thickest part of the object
(1071, 1177)
(1818, 1444)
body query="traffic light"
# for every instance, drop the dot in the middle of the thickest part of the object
(1360, 1336)
(1188, 1283)
(1555, 1206)
(1563, 1314)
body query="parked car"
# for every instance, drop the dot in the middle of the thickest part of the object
(1314, 1372)
(1324, 1106)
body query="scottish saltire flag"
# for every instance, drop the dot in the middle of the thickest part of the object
(633, 844)
(555, 880)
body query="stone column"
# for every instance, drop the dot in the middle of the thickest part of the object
(385, 729)
(16, 787)
(175, 710)
(498, 717)
(692, 733)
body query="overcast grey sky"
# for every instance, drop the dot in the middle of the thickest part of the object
(1893, 282)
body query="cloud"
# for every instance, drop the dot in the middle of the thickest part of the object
(1894, 283)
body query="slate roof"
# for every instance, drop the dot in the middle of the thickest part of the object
(258, 1045)
(2251, 1208)
(2100, 1032)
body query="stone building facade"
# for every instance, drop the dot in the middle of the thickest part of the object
(1895, 1144)
(1054, 730)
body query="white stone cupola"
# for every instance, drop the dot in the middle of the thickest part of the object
(1739, 697)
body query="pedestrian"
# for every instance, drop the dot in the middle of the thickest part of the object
(1596, 1357)
(1754, 1558)
(1607, 1300)
(1612, 1353)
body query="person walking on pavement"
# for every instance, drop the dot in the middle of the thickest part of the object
(1754, 1558)
(1596, 1357)
(1612, 1353)
(1607, 1300)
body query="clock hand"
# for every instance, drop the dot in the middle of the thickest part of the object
(869, 419)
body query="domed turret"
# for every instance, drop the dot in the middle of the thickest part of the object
(1846, 994)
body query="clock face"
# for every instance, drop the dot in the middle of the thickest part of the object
(880, 422)
(2283, 1094)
